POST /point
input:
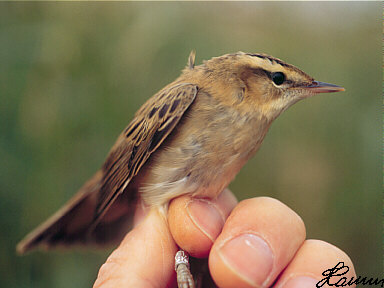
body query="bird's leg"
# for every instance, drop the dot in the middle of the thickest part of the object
(184, 276)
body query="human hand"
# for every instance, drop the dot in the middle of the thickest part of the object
(255, 243)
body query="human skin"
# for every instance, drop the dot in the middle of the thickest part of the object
(255, 243)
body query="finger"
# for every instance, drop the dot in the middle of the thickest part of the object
(196, 223)
(313, 258)
(258, 240)
(145, 258)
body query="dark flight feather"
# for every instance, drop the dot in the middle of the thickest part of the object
(81, 220)
(133, 150)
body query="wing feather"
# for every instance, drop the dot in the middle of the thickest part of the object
(152, 124)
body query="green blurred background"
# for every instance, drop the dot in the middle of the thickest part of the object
(73, 74)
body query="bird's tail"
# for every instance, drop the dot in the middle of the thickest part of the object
(73, 223)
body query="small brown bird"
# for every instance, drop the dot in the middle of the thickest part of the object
(193, 137)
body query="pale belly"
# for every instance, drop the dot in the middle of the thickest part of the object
(162, 183)
(201, 169)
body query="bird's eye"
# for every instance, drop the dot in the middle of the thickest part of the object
(278, 78)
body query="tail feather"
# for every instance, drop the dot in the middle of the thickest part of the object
(73, 223)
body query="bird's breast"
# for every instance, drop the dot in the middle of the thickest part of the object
(203, 154)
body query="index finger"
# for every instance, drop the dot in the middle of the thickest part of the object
(196, 223)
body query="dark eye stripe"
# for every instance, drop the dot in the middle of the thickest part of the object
(276, 77)
(260, 71)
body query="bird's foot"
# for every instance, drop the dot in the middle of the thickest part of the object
(184, 276)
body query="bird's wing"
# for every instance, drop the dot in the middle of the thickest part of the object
(152, 124)
(77, 221)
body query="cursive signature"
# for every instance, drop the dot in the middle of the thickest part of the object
(339, 270)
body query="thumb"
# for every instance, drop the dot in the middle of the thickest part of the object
(145, 258)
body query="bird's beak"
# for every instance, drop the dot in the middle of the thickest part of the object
(321, 87)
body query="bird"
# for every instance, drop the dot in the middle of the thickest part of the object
(192, 137)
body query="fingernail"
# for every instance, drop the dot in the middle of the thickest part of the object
(206, 217)
(301, 282)
(250, 257)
